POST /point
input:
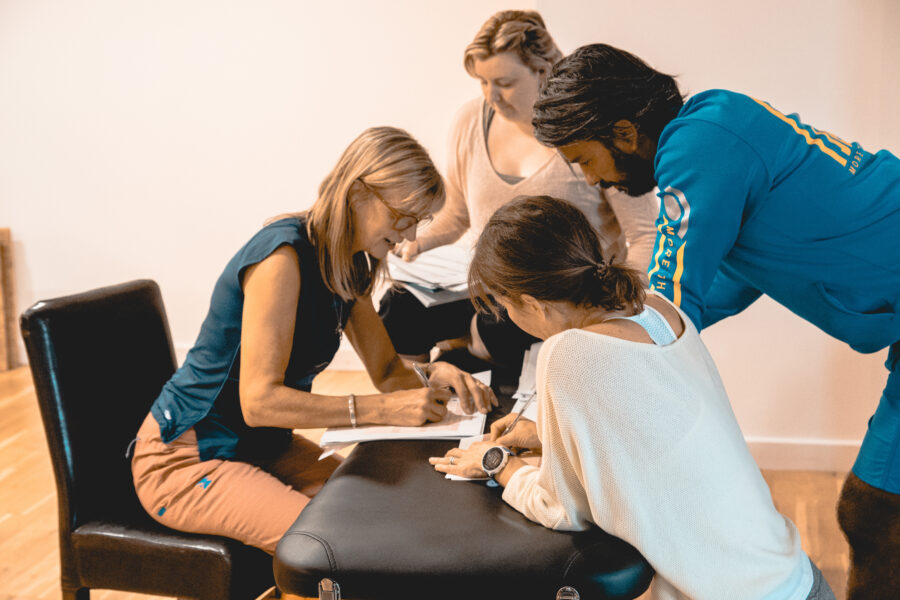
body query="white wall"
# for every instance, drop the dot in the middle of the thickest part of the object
(150, 139)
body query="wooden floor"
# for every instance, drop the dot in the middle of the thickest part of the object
(29, 563)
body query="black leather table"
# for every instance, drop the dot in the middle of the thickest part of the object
(388, 526)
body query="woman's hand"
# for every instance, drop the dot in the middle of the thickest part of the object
(466, 463)
(523, 435)
(473, 395)
(407, 250)
(410, 408)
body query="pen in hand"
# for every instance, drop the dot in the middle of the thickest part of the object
(518, 415)
(421, 374)
(423, 377)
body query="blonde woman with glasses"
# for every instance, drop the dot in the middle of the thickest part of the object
(494, 157)
(218, 445)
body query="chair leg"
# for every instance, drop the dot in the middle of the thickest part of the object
(329, 590)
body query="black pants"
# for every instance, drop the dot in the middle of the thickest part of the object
(415, 328)
(870, 518)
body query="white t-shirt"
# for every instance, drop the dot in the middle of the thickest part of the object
(475, 191)
(641, 440)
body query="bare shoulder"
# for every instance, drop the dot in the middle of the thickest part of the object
(281, 266)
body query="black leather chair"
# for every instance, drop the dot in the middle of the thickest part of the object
(99, 360)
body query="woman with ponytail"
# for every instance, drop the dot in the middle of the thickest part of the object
(493, 156)
(634, 427)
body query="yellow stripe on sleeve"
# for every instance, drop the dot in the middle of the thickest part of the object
(805, 134)
(676, 279)
(845, 148)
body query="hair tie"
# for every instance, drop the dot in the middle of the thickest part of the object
(601, 268)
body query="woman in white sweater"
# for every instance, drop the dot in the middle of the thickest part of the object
(635, 428)
(493, 157)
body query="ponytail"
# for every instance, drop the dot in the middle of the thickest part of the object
(546, 248)
(615, 286)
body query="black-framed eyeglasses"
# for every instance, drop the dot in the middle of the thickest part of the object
(402, 220)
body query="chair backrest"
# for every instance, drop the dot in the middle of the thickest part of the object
(98, 360)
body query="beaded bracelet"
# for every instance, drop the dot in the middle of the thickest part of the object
(351, 404)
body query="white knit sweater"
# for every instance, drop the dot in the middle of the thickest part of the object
(475, 191)
(641, 440)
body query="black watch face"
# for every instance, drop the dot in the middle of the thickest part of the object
(492, 459)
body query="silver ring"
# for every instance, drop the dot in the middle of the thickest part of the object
(452, 461)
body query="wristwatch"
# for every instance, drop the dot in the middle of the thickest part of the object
(494, 460)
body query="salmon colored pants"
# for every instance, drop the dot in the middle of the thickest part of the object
(254, 503)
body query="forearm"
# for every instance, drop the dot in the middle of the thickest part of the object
(446, 229)
(428, 241)
(529, 495)
(288, 408)
(514, 464)
(637, 219)
(450, 223)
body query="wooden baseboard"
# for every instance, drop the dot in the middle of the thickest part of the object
(809, 454)
(9, 331)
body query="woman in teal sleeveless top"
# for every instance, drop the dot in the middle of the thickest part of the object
(216, 454)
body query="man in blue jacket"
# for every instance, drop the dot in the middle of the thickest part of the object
(754, 201)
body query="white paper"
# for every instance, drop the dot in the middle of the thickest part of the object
(527, 406)
(435, 297)
(332, 448)
(455, 425)
(441, 267)
(528, 383)
(434, 277)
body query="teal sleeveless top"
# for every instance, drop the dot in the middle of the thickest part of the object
(203, 392)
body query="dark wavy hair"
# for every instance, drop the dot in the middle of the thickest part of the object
(546, 248)
(596, 86)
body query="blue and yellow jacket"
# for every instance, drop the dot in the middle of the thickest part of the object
(754, 202)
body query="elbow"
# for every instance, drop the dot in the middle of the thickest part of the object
(387, 379)
(387, 385)
(555, 516)
(381, 380)
(252, 404)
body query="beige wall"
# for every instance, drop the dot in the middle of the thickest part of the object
(150, 139)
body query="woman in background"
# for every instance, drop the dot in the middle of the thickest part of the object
(493, 157)
(636, 431)
(217, 445)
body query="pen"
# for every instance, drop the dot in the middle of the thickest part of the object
(421, 374)
(518, 415)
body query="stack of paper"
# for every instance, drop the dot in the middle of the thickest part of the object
(436, 276)
(528, 383)
(455, 425)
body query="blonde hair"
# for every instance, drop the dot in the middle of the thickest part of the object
(519, 31)
(382, 158)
